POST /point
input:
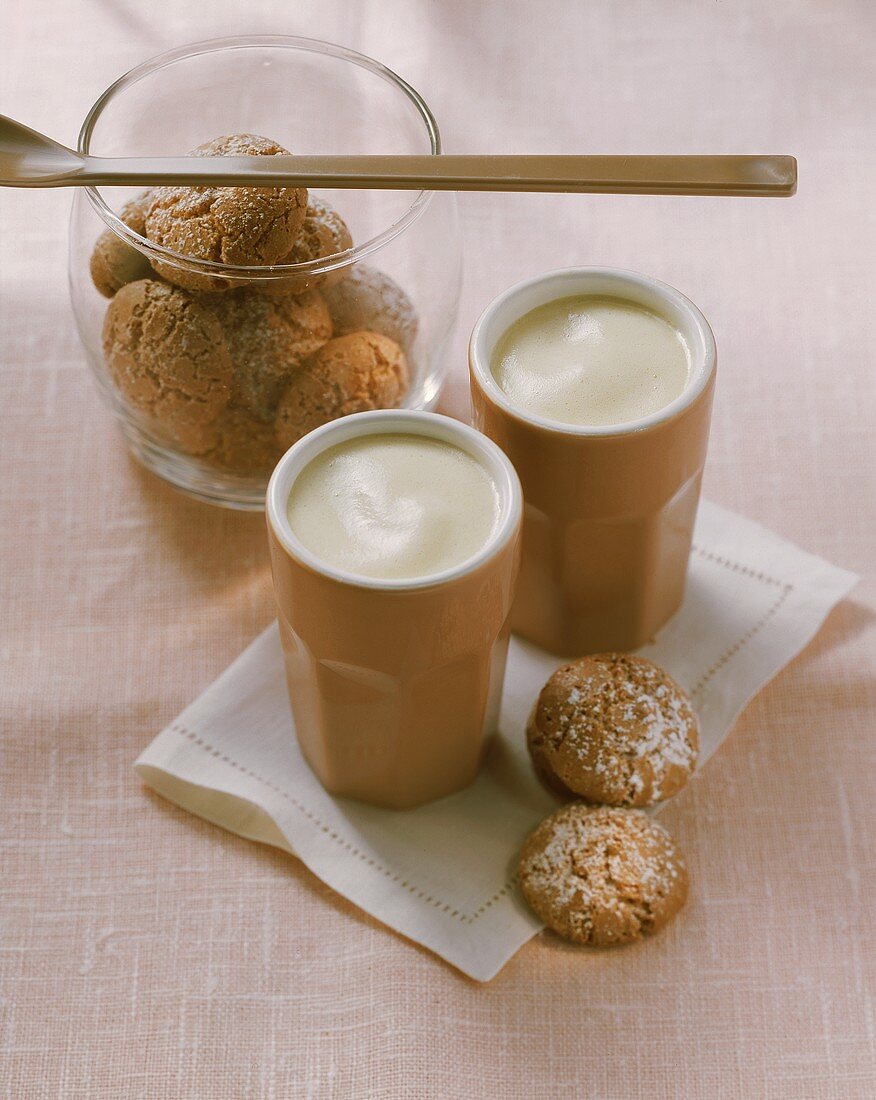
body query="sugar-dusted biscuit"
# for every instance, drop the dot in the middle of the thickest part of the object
(239, 443)
(349, 374)
(323, 234)
(268, 339)
(114, 263)
(237, 226)
(602, 875)
(615, 729)
(368, 299)
(168, 357)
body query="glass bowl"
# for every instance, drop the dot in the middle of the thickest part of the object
(211, 368)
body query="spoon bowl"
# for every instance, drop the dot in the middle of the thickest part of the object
(30, 159)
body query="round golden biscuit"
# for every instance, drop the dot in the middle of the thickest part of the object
(323, 234)
(368, 299)
(540, 765)
(114, 263)
(238, 226)
(615, 729)
(601, 875)
(168, 357)
(239, 443)
(268, 339)
(349, 374)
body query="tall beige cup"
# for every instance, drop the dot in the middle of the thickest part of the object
(395, 685)
(609, 511)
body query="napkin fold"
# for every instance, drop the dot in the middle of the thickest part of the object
(444, 874)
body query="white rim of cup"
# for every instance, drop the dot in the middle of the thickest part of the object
(390, 422)
(631, 286)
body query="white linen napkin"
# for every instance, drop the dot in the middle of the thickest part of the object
(444, 874)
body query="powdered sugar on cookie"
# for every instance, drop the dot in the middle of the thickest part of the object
(615, 729)
(602, 875)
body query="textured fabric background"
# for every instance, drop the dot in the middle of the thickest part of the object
(144, 953)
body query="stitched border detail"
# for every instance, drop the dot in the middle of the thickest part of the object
(465, 918)
(737, 567)
(443, 907)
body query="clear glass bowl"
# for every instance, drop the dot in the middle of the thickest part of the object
(400, 277)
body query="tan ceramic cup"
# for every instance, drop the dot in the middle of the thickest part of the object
(609, 511)
(395, 685)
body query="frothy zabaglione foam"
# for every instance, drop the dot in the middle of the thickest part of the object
(592, 360)
(394, 506)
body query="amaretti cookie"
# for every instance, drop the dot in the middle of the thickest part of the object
(169, 359)
(368, 299)
(239, 226)
(601, 875)
(114, 263)
(268, 339)
(324, 233)
(349, 374)
(615, 729)
(239, 443)
(231, 368)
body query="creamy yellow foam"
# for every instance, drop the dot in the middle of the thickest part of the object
(394, 507)
(592, 360)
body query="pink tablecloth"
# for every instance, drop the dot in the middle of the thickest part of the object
(145, 953)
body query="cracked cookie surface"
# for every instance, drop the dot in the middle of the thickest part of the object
(268, 339)
(238, 226)
(602, 875)
(169, 359)
(615, 729)
(349, 374)
(368, 299)
(239, 443)
(324, 233)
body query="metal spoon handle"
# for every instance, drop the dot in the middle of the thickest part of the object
(636, 175)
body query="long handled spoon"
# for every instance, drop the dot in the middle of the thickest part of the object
(30, 159)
